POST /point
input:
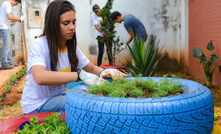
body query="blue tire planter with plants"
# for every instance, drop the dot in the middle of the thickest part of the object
(191, 112)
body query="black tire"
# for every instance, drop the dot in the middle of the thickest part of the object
(191, 112)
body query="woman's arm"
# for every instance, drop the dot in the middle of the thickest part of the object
(91, 68)
(44, 77)
(106, 73)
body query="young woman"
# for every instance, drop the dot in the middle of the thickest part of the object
(54, 60)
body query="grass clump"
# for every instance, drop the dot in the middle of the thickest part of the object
(138, 88)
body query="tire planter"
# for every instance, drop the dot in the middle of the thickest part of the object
(191, 112)
(11, 125)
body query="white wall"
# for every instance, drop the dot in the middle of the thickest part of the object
(160, 17)
(165, 18)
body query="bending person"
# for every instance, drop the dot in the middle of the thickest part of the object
(54, 60)
(133, 26)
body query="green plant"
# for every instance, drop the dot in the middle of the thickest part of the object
(110, 40)
(137, 88)
(207, 63)
(18, 75)
(53, 124)
(146, 58)
(8, 88)
(12, 78)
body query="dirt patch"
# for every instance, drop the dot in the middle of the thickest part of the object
(15, 95)
(10, 111)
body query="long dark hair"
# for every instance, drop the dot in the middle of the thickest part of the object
(52, 33)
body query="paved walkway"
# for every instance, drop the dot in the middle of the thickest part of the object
(5, 74)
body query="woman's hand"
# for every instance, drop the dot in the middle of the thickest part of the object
(89, 78)
(112, 73)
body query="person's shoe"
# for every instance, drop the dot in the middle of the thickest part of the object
(13, 65)
(7, 67)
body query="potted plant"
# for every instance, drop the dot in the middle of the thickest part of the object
(207, 63)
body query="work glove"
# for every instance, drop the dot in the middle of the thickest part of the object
(124, 46)
(89, 78)
(112, 73)
(22, 18)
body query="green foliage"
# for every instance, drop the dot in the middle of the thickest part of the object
(7, 86)
(53, 124)
(207, 63)
(146, 59)
(124, 88)
(12, 78)
(107, 26)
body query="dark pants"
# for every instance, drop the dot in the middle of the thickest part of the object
(100, 54)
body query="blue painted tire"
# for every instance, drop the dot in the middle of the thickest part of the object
(191, 112)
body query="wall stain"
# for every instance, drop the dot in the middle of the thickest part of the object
(90, 2)
(164, 14)
(170, 14)
(175, 3)
(169, 64)
(93, 50)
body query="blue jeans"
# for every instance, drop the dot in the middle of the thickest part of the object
(53, 104)
(6, 47)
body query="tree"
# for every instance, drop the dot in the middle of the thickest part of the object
(111, 41)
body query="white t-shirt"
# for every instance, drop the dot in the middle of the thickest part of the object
(97, 20)
(6, 8)
(35, 95)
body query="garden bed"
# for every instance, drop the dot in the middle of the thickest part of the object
(15, 94)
